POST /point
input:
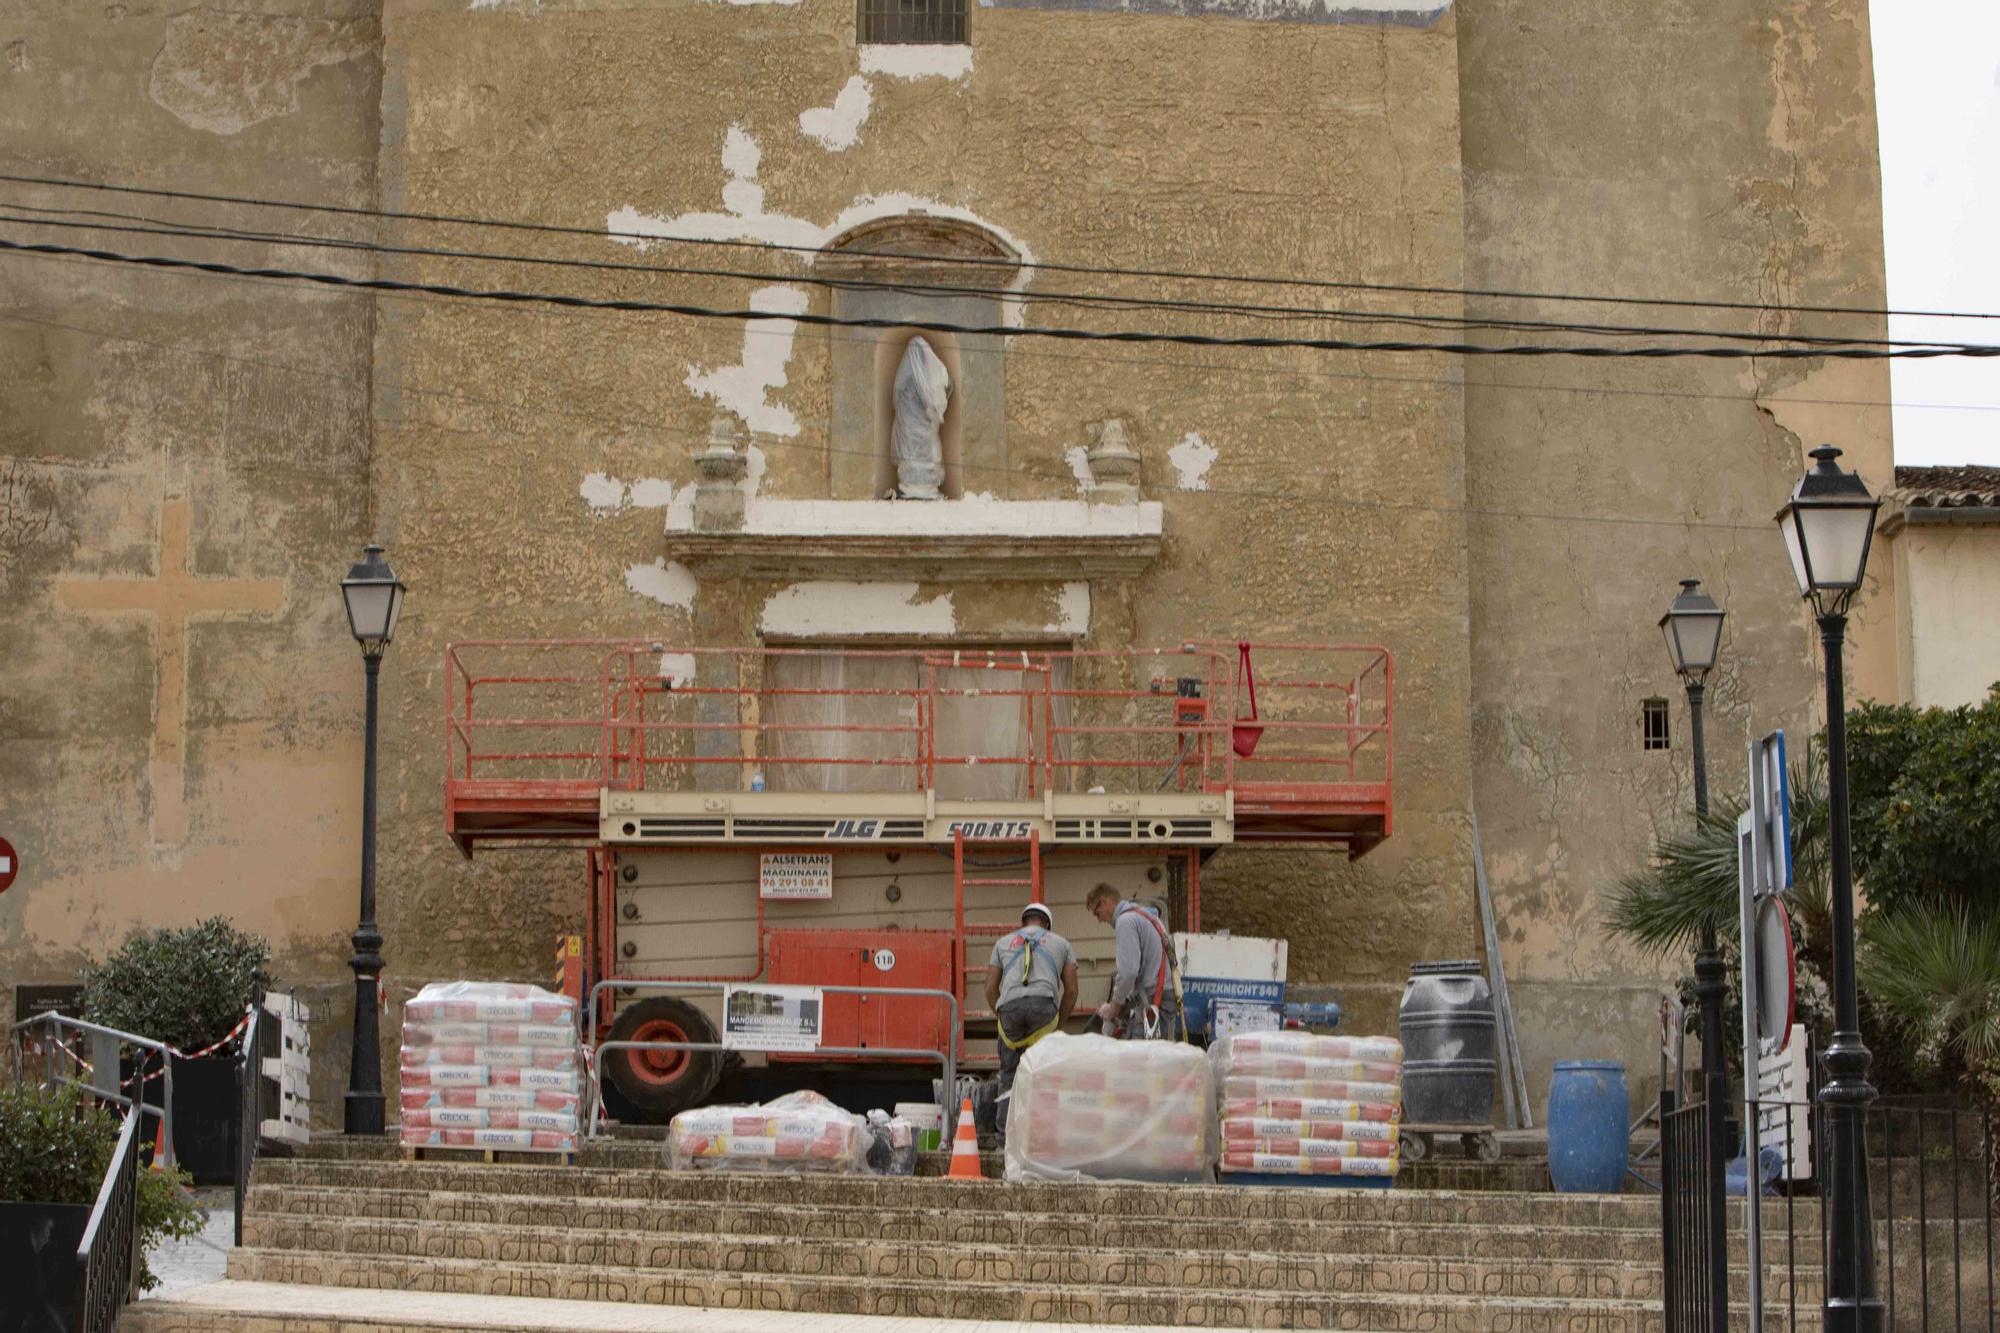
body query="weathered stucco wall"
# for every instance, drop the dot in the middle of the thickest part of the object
(1950, 579)
(1509, 530)
(1714, 151)
(183, 477)
(1092, 138)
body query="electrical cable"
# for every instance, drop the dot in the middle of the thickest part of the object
(446, 219)
(1084, 300)
(1850, 353)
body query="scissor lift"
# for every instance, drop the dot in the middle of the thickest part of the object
(949, 786)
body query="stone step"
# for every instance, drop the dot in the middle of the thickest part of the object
(1229, 1269)
(1183, 1201)
(946, 1226)
(263, 1307)
(941, 1298)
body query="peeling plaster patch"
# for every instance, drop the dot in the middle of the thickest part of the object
(833, 607)
(913, 61)
(1192, 458)
(602, 492)
(1404, 13)
(1079, 465)
(665, 581)
(226, 72)
(677, 668)
(754, 464)
(745, 388)
(652, 493)
(838, 127)
(1072, 610)
(746, 219)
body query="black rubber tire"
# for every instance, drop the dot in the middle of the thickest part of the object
(656, 1100)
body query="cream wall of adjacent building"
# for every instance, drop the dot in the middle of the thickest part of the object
(1949, 612)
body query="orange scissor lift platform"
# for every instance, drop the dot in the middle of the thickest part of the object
(974, 753)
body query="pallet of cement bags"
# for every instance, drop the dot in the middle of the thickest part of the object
(1297, 1108)
(1090, 1108)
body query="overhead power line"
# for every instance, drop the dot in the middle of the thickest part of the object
(1177, 275)
(1850, 353)
(1081, 300)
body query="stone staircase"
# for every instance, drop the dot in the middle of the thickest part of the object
(522, 1247)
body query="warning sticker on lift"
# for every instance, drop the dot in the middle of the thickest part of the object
(795, 875)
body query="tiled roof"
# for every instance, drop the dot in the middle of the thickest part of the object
(1948, 487)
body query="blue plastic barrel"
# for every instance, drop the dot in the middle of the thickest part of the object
(1587, 1128)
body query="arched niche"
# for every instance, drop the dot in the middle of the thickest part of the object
(974, 267)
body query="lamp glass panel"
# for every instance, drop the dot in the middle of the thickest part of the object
(1699, 636)
(1788, 523)
(1837, 537)
(395, 611)
(370, 609)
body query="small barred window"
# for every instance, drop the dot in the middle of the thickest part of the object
(912, 22)
(1653, 724)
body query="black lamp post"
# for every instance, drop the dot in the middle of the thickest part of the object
(374, 597)
(1828, 525)
(1693, 630)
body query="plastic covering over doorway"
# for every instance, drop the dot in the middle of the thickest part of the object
(995, 711)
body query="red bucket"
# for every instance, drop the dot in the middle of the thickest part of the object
(1247, 731)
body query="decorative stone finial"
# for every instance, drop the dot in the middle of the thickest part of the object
(1114, 463)
(719, 471)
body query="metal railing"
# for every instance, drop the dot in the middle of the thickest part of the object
(594, 1050)
(107, 1260)
(60, 1059)
(1933, 1182)
(637, 715)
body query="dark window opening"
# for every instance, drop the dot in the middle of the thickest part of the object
(1653, 724)
(913, 22)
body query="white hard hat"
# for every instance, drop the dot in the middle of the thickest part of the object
(1042, 909)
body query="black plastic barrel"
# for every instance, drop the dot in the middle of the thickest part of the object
(1449, 1054)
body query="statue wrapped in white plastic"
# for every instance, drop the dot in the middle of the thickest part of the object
(923, 392)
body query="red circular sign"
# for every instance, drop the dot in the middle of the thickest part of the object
(10, 864)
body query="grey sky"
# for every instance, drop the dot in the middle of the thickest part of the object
(1937, 93)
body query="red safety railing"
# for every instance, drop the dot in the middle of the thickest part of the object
(535, 720)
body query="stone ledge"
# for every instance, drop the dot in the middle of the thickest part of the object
(939, 541)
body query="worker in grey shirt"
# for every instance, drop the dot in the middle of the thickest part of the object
(1031, 988)
(1145, 998)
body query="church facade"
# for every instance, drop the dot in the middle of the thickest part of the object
(192, 459)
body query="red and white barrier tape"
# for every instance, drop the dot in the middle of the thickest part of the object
(209, 1049)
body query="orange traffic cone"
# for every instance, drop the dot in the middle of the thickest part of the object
(159, 1162)
(965, 1148)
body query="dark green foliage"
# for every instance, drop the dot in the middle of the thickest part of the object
(1936, 975)
(185, 987)
(1926, 804)
(54, 1150)
(49, 1152)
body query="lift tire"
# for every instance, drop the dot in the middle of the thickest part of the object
(658, 1084)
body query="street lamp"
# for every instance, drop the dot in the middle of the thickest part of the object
(1828, 525)
(374, 597)
(1693, 630)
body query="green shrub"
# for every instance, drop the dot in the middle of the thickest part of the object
(186, 987)
(54, 1151)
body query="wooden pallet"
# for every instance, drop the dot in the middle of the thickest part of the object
(487, 1156)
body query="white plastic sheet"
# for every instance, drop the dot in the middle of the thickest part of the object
(800, 1131)
(490, 1064)
(1092, 1108)
(1299, 1104)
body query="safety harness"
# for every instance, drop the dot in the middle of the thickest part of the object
(1150, 1014)
(1027, 974)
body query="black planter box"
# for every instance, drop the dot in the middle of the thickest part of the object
(207, 1104)
(38, 1265)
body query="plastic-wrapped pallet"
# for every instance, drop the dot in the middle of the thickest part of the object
(800, 1131)
(490, 1064)
(1299, 1104)
(1093, 1108)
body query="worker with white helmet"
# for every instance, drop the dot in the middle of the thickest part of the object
(1031, 988)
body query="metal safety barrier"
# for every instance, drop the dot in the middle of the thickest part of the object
(109, 1090)
(594, 1050)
